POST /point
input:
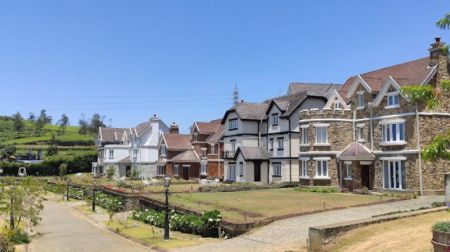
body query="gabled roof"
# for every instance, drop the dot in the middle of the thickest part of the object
(177, 141)
(143, 127)
(320, 88)
(289, 103)
(207, 127)
(333, 97)
(217, 136)
(111, 135)
(356, 152)
(390, 82)
(413, 72)
(252, 153)
(186, 156)
(248, 111)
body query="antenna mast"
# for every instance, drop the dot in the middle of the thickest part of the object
(235, 94)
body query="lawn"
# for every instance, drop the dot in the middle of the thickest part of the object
(152, 236)
(408, 234)
(249, 206)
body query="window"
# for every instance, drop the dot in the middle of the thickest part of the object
(276, 169)
(393, 100)
(163, 150)
(161, 170)
(203, 169)
(360, 133)
(304, 139)
(348, 171)
(232, 172)
(361, 100)
(175, 170)
(233, 124)
(111, 154)
(274, 119)
(203, 152)
(212, 150)
(271, 144)
(280, 142)
(195, 137)
(321, 168)
(135, 152)
(321, 135)
(241, 169)
(304, 168)
(394, 174)
(233, 145)
(337, 105)
(393, 132)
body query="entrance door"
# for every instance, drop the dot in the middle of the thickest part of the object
(365, 176)
(257, 166)
(128, 171)
(186, 172)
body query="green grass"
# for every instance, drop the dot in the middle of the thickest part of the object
(153, 236)
(248, 206)
(70, 142)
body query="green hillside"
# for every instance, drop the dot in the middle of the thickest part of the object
(71, 142)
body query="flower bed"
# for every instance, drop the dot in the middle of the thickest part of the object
(205, 225)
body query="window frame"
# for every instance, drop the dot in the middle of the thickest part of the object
(241, 169)
(232, 171)
(276, 169)
(278, 143)
(274, 118)
(361, 100)
(321, 129)
(393, 133)
(233, 145)
(304, 167)
(398, 167)
(322, 168)
(304, 141)
(203, 169)
(270, 144)
(233, 124)
(395, 99)
(176, 170)
(110, 153)
(348, 170)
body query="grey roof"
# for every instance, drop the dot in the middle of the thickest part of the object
(214, 138)
(111, 135)
(186, 156)
(253, 153)
(313, 88)
(289, 103)
(356, 152)
(248, 111)
(142, 127)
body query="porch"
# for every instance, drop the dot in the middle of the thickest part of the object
(356, 167)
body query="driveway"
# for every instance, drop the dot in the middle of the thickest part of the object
(65, 229)
(291, 234)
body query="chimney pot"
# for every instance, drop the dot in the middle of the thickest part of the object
(242, 101)
(437, 39)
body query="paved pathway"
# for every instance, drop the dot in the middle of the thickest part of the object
(65, 229)
(291, 234)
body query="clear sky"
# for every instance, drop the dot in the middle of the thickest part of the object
(180, 59)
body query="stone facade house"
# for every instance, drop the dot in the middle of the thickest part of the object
(374, 140)
(124, 149)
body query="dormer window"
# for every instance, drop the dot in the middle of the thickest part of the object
(361, 100)
(163, 150)
(393, 100)
(337, 105)
(274, 119)
(233, 124)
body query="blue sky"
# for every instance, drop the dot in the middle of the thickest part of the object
(180, 59)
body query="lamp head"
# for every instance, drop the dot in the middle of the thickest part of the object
(167, 181)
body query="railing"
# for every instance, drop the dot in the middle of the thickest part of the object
(228, 154)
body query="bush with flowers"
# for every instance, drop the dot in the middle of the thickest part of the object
(205, 225)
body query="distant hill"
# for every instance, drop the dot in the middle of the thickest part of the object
(71, 142)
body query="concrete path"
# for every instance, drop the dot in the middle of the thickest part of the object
(291, 234)
(65, 229)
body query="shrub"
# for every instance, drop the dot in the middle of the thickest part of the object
(18, 236)
(6, 245)
(318, 189)
(442, 226)
(205, 225)
(110, 172)
(438, 204)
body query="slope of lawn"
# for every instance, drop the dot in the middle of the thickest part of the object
(249, 206)
(70, 142)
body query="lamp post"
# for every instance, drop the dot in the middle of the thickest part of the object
(93, 194)
(166, 220)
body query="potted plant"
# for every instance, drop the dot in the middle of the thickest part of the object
(441, 236)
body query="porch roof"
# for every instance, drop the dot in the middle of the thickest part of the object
(126, 160)
(253, 153)
(356, 152)
(189, 156)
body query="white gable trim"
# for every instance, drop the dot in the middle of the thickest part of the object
(356, 82)
(334, 95)
(430, 75)
(390, 82)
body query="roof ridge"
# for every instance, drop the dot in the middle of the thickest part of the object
(395, 65)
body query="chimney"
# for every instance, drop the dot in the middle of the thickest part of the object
(439, 57)
(174, 128)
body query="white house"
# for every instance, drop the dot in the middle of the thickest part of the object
(127, 149)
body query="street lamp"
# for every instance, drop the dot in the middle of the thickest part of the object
(93, 194)
(166, 221)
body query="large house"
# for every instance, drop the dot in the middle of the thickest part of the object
(261, 140)
(127, 149)
(376, 140)
(192, 156)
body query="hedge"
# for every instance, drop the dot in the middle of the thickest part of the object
(49, 167)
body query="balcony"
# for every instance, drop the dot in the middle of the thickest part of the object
(228, 154)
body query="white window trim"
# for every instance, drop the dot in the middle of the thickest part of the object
(306, 160)
(304, 126)
(326, 143)
(304, 131)
(389, 171)
(392, 158)
(273, 169)
(178, 170)
(389, 142)
(203, 169)
(387, 95)
(322, 159)
(358, 94)
(346, 166)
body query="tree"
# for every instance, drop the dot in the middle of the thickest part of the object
(63, 122)
(22, 199)
(53, 147)
(31, 117)
(84, 125)
(97, 121)
(44, 117)
(62, 169)
(18, 123)
(8, 152)
(444, 23)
